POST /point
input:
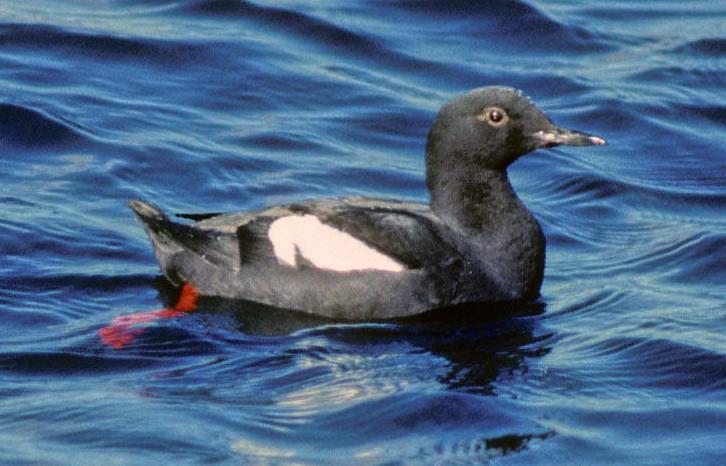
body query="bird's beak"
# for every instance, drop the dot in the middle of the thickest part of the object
(557, 136)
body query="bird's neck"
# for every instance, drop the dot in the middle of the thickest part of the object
(477, 202)
(483, 206)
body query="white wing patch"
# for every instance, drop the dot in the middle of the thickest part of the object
(324, 246)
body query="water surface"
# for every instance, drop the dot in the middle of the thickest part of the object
(222, 105)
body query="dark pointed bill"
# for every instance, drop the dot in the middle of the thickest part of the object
(561, 136)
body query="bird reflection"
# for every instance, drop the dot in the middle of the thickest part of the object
(483, 342)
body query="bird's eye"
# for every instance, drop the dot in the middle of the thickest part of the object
(494, 116)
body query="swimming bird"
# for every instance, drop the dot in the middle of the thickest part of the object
(362, 258)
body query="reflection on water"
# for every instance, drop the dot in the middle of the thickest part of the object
(323, 374)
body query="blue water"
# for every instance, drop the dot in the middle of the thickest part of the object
(223, 105)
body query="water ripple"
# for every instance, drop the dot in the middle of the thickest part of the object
(98, 46)
(223, 105)
(30, 129)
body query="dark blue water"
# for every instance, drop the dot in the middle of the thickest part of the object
(222, 105)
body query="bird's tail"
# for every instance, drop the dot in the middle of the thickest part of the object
(149, 214)
(170, 238)
(166, 236)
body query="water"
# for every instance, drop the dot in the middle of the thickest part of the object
(221, 105)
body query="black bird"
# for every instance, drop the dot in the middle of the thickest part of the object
(362, 258)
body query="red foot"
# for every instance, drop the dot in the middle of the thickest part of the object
(121, 331)
(187, 299)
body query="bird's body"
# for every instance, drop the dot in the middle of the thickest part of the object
(366, 259)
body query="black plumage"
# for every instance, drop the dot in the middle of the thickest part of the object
(475, 242)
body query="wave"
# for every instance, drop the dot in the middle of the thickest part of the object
(92, 281)
(708, 48)
(510, 21)
(660, 363)
(32, 129)
(300, 23)
(70, 364)
(98, 46)
(320, 32)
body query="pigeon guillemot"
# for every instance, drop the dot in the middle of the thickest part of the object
(362, 258)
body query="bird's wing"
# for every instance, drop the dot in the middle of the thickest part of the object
(407, 233)
(412, 237)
